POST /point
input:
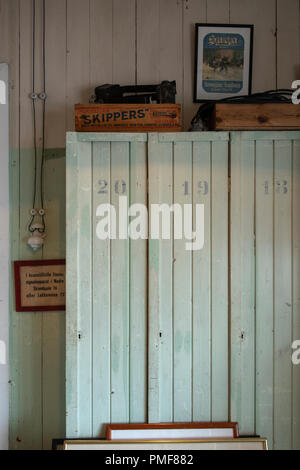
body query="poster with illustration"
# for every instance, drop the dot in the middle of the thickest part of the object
(223, 61)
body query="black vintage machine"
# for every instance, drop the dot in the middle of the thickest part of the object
(165, 92)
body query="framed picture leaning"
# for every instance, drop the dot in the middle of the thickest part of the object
(223, 61)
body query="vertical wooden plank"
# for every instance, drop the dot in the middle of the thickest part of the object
(78, 61)
(124, 42)
(138, 291)
(53, 327)
(159, 41)
(54, 322)
(14, 51)
(4, 27)
(56, 55)
(28, 334)
(263, 16)
(14, 14)
(242, 285)
(218, 11)
(101, 294)
(194, 11)
(219, 281)
(171, 44)
(160, 381)
(182, 289)
(264, 288)
(288, 44)
(26, 71)
(148, 42)
(202, 287)
(296, 293)
(72, 281)
(282, 296)
(85, 293)
(101, 42)
(119, 290)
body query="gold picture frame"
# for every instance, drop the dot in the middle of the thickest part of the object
(165, 445)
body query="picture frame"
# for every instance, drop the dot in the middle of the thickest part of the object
(40, 285)
(154, 431)
(166, 445)
(223, 61)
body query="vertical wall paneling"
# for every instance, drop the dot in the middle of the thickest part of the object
(54, 322)
(148, 34)
(264, 269)
(138, 292)
(282, 295)
(159, 46)
(171, 44)
(115, 41)
(288, 43)
(101, 293)
(194, 11)
(84, 287)
(218, 11)
(110, 342)
(124, 42)
(242, 284)
(195, 391)
(262, 14)
(72, 279)
(182, 288)
(219, 281)
(4, 24)
(9, 50)
(119, 290)
(296, 294)
(101, 43)
(78, 57)
(202, 287)
(26, 432)
(264, 185)
(54, 330)
(160, 275)
(56, 53)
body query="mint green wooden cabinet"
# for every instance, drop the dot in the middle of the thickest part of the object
(157, 333)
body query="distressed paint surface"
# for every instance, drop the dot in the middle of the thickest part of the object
(264, 289)
(183, 346)
(107, 312)
(132, 41)
(37, 340)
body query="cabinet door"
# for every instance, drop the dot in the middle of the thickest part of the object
(188, 290)
(106, 285)
(265, 288)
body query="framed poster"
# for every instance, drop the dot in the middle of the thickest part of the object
(40, 285)
(180, 431)
(223, 61)
(165, 445)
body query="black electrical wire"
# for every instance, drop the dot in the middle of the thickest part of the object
(34, 97)
(44, 112)
(34, 113)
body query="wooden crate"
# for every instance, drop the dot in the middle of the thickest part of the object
(273, 116)
(128, 117)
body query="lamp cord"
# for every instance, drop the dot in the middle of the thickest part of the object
(34, 98)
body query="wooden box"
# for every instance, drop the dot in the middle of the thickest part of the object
(128, 117)
(273, 116)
